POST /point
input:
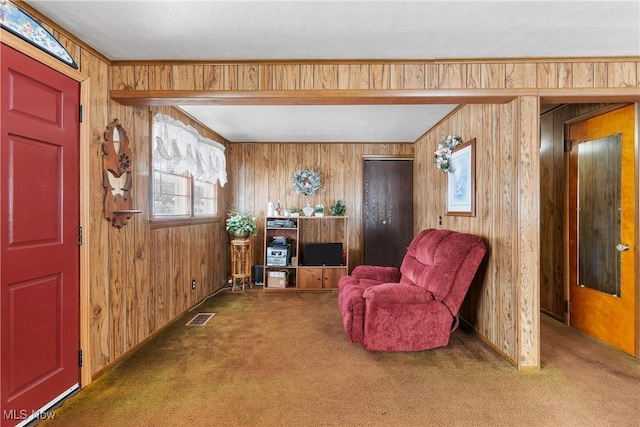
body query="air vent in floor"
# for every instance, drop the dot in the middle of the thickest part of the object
(200, 319)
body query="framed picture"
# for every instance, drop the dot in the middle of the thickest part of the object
(461, 180)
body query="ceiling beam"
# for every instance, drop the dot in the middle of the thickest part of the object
(313, 97)
(369, 97)
(589, 95)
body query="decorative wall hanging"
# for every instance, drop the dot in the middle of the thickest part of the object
(117, 174)
(307, 182)
(461, 180)
(16, 21)
(443, 153)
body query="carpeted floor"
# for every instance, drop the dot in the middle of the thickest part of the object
(282, 359)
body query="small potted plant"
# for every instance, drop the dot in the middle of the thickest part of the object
(319, 210)
(339, 208)
(241, 224)
(295, 212)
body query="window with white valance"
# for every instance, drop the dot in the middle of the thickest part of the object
(186, 169)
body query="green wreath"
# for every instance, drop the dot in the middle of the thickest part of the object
(306, 182)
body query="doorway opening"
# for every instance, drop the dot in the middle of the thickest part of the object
(565, 263)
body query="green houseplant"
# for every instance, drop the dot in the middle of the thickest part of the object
(339, 209)
(241, 224)
(319, 210)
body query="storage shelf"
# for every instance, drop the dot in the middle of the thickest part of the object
(305, 230)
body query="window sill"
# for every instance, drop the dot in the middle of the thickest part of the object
(183, 222)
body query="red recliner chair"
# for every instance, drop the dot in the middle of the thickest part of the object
(415, 307)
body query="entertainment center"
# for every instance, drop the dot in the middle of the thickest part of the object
(305, 252)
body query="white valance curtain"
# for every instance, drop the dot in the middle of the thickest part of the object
(180, 149)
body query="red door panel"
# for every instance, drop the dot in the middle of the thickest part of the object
(39, 216)
(34, 211)
(24, 89)
(42, 295)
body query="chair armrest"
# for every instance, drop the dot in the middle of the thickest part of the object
(375, 272)
(397, 293)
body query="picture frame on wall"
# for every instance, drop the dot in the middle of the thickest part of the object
(461, 180)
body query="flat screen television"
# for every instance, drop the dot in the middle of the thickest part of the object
(318, 254)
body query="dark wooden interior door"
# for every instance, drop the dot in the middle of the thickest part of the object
(388, 211)
(39, 289)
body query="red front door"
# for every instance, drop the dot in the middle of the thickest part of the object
(39, 218)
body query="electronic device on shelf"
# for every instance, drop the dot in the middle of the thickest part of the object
(325, 254)
(278, 256)
(279, 241)
(280, 223)
(278, 252)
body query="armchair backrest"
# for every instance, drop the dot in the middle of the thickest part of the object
(444, 263)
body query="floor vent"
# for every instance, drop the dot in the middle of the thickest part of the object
(200, 319)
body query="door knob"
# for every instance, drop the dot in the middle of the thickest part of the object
(621, 248)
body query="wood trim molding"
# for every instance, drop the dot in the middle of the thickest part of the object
(637, 225)
(315, 97)
(154, 224)
(31, 51)
(369, 96)
(589, 95)
(537, 60)
(85, 223)
(354, 61)
(388, 156)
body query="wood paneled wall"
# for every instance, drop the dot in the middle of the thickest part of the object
(142, 272)
(492, 302)
(543, 74)
(260, 173)
(139, 274)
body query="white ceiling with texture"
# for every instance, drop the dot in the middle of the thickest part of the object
(250, 30)
(289, 30)
(321, 123)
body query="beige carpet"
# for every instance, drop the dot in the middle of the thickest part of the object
(282, 359)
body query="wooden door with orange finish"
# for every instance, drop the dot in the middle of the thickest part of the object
(602, 224)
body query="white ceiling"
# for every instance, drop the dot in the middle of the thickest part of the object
(321, 123)
(290, 30)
